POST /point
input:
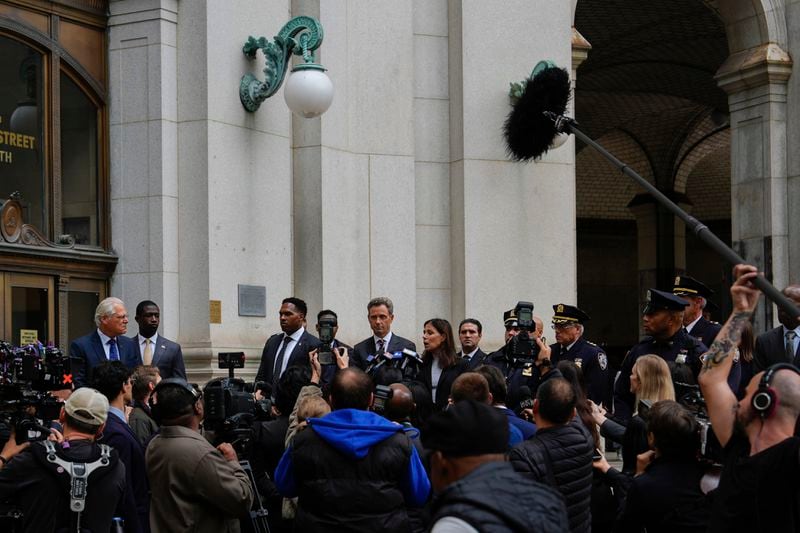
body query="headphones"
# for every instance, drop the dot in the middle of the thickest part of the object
(765, 398)
(155, 412)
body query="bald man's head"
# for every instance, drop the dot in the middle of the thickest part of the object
(351, 388)
(787, 386)
(401, 405)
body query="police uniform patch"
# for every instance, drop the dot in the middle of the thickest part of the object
(602, 360)
(681, 357)
(578, 362)
(527, 372)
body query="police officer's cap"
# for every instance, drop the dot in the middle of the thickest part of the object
(658, 300)
(688, 286)
(568, 314)
(510, 318)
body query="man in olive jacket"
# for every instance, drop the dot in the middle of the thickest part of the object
(195, 487)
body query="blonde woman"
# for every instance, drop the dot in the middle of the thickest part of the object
(651, 382)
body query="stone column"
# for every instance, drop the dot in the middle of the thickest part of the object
(353, 169)
(755, 81)
(143, 155)
(512, 224)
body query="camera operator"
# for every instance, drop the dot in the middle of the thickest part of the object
(327, 328)
(758, 489)
(195, 486)
(517, 372)
(42, 488)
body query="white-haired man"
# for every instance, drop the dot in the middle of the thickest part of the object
(106, 343)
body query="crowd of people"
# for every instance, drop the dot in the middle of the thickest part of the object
(378, 437)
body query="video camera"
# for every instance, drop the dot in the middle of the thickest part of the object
(521, 349)
(383, 394)
(692, 399)
(27, 375)
(230, 407)
(327, 331)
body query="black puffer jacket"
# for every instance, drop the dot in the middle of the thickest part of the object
(488, 499)
(338, 493)
(561, 456)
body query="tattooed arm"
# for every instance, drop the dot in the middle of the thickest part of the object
(720, 400)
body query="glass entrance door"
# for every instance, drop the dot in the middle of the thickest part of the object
(29, 309)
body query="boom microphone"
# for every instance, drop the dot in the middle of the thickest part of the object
(538, 116)
(528, 130)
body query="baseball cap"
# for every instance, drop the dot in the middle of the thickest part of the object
(88, 406)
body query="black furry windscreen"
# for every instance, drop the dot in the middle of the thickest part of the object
(528, 132)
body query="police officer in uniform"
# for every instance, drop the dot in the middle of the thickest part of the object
(570, 345)
(516, 378)
(663, 323)
(696, 295)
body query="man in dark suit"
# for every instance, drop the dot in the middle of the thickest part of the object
(107, 343)
(113, 380)
(154, 349)
(696, 294)
(288, 348)
(470, 332)
(570, 345)
(380, 313)
(782, 344)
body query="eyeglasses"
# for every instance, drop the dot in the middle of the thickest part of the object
(561, 327)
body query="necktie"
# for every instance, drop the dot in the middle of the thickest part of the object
(148, 352)
(276, 375)
(381, 344)
(790, 335)
(113, 353)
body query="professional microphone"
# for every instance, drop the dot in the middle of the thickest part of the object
(526, 398)
(529, 130)
(538, 115)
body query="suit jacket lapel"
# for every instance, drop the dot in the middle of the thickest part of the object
(97, 344)
(158, 351)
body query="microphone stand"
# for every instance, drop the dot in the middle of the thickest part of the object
(568, 125)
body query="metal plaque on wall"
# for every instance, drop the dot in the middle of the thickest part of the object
(252, 300)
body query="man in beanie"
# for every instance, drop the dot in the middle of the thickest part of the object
(38, 482)
(477, 490)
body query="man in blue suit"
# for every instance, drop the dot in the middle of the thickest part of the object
(154, 349)
(107, 343)
(113, 380)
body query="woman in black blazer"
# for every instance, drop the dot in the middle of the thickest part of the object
(440, 365)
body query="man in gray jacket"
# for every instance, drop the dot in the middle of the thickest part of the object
(195, 487)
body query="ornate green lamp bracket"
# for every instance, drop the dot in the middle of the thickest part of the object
(300, 36)
(517, 88)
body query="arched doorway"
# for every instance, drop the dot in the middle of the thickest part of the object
(647, 92)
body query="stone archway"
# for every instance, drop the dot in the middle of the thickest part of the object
(649, 79)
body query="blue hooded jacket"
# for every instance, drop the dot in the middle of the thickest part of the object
(354, 432)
